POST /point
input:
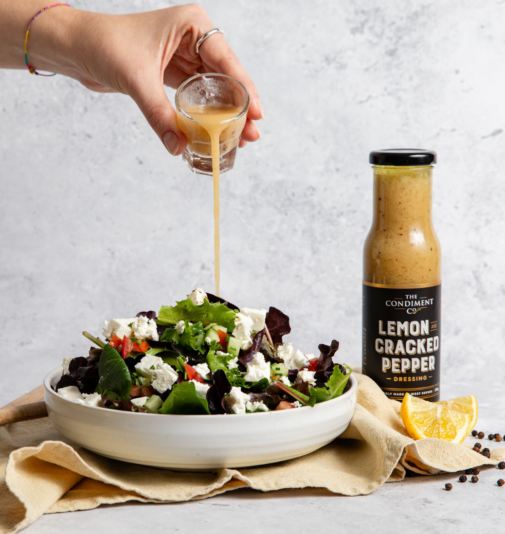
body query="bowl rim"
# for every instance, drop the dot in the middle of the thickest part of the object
(51, 375)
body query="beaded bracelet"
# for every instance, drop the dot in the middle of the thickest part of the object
(28, 66)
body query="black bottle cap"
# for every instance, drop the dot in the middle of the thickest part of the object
(403, 157)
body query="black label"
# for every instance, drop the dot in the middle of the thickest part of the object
(401, 340)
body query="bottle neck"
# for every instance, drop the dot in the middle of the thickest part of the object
(402, 197)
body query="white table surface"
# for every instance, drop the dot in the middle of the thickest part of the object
(416, 505)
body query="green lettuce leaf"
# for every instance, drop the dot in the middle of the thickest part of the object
(185, 400)
(192, 337)
(115, 381)
(234, 376)
(333, 388)
(206, 314)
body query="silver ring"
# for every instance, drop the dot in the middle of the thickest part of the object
(204, 36)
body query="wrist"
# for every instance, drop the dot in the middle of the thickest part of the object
(51, 40)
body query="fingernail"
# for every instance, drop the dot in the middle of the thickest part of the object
(171, 142)
(261, 110)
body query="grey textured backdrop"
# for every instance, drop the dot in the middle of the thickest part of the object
(98, 221)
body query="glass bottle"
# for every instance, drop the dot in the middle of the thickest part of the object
(402, 278)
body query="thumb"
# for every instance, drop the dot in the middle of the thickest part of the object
(161, 116)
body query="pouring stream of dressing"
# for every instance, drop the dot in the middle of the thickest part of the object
(214, 119)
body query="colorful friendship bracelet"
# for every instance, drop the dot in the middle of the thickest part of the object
(28, 66)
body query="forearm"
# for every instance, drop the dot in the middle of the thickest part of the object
(50, 36)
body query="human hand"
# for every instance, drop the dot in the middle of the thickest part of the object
(140, 53)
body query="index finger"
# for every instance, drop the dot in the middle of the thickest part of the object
(217, 56)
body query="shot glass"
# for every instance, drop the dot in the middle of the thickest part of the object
(218, 94)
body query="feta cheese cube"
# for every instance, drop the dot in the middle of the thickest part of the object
(203, 370)
(236, 400)
(285, 351)
(198, 296)
(307, 376)
(201, 388)
(70, 393)
(292, 360)
(257, 317)
(208, 340)
(257, 406)
(66, 365)
(139, 401)
(297, 404)
(118, 327)
(299, 360)
(233, 364)
(164, 377)
(92, 399)
(285, 381)
(144, 328)
(179, 327)
(243, 330)
(257, 369)
(144, 367)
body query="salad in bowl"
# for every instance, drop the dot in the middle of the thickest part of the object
(203, 356)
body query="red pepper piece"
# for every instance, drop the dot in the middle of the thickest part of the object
(312, 364)
(284, 405)
(222, 338)
(143, 347)
(115, 341)
(190, 371)
(146, 391)
(128, 346)
(192, 374)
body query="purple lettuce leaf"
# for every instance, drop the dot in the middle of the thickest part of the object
(216, 394)
(76, 363)
(247, 355)
(66, 381)
(277, 324)
(292, 375)
(213, 299)
(88, 378)
(82, 374)
(325, 365)
(151, 315)
(302, 387)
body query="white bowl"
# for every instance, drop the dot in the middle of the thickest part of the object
(199, 442)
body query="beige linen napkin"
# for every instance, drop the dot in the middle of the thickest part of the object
(40, 472)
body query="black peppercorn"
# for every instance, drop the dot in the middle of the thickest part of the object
(490, 437)
(463, 478)
(448, 487)
(475, 479)
(497, 437)
(485, 453)
(474, 433)
(475, 471)
(477, 446)
(501, 482)
(481, 435)
(468, 471)
(501, 465)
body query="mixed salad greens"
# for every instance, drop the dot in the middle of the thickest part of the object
(202, 356)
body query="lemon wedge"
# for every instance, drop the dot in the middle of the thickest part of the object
(450, 420)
